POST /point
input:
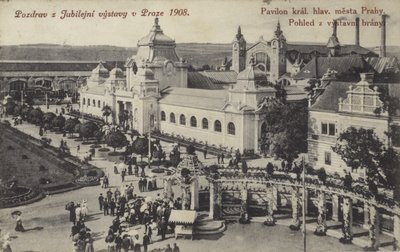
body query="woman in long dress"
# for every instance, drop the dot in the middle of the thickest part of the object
(84, 209)
(19, 227)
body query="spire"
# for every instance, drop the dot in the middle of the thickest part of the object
(278, 31)
(239, 33)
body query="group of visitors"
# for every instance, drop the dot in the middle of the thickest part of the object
(82, 240)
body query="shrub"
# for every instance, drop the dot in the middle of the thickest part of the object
(270, 169)
(92, 173)
(185, 172)
(190, 149)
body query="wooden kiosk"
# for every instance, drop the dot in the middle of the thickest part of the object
(184, 220)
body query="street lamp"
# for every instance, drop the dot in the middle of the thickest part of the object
(152, 124)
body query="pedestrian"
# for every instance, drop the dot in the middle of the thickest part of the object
(19, 227)
(144, 184)
(109, 195)
(175, 248)
(205, 153)
(112, 207)
(219, 158)
(123, 175)
(136, 242)
(222, 158)
(105, 207)
(163, 225)
(105, 182)
(101, 201)
(146, 241)
(78, 148)
(126, 243)
(140, 184)
(168, 249)
(118, 243)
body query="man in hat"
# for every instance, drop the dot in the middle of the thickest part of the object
(101, 201)
(146, 241)
(175, 248)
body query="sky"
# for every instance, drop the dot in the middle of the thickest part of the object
(208, 21)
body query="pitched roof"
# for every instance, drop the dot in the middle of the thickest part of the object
(211, 79)
(329, 100)
(384, 64)
(346, 67)
(50, 66)
(195, 98)
(323, 49)
(183, 216)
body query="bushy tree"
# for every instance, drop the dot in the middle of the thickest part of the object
(286, 129)
(17, 110)
(107, 111)
(87, 129)
(58, 122)
(36, 116)
(70, 124)
(10, 108)
(190, 149)
(140, 146)
(98, 134)
(116, 139)
(48, 118)
(77, 128)
(270, 169)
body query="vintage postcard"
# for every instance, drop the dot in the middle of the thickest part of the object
(199, 125)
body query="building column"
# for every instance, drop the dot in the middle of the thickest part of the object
(366, 216)
(244, 216)
(396, 231)
(347, 220)
(212, 199)
(296, 211)
(256, 134)
(374, 227)
(335, 207)
(321, 220)
(194, 199)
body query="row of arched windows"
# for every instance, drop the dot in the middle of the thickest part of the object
(204, 122)
(93, 103)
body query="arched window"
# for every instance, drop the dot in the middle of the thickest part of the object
(231, 128)
(98, 103)
(88, 102)
(193, 121)
(162, 116)
(94, 103)
(83, 101)
(182, 120)
(172, 118)
(204, 123)
(217, 126)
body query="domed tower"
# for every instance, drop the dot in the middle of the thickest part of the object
(145, 100)
(98, 76)
(278, 54)
(239, 52)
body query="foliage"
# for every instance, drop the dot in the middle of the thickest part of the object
(107, 111)
(360, 148)
(175, 157)
(322, 175)
(185, 172)
(140, 146)
(10, 108)
(98, 134)
(116, 139)
(286, 129)
(87, 129)
(270, 169)
(48, 118)
(36, 115)
(70, 124)
(17, 110)
(123, 117)
(26, 110)
(77, 128)
(244, 167)
(190, 149)
(58, 122)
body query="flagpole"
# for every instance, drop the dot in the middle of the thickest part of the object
(304, 207)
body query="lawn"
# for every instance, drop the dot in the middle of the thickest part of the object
(28, 167)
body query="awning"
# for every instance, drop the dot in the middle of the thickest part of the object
(182, 216)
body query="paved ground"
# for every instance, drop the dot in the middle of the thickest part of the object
(49, 228)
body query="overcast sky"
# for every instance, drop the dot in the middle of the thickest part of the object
(213, 21)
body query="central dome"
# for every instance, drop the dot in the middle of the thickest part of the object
(156, 37)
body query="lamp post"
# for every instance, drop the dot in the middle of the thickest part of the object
(151, 125)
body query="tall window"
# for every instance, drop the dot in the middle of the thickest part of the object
(88, 102)
(182, 120)
(231, 128)
(204, 123)
(163, 116)
(193, 121)
(328, 160)
(94, 103)
(83, 101)
(98, 103)
(172, 118)
(217, 126)
(328, 129)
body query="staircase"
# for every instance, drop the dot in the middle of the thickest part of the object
(207, 226)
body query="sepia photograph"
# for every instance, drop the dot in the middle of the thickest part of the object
(199, 125)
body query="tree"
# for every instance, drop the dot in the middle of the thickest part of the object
(286, 129)
(77, 128)
(17, 110)
(140, 146)
(270, 169)
(58, 122)
(87, 129)
(107, 111)
(175, 157)
(70, 124)
(362, 149)
(116, 139)
(98, 134)
(26, 110)
(123, 117)
(190, 149)
(36, 116)
(10, 108)
(48, 118)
